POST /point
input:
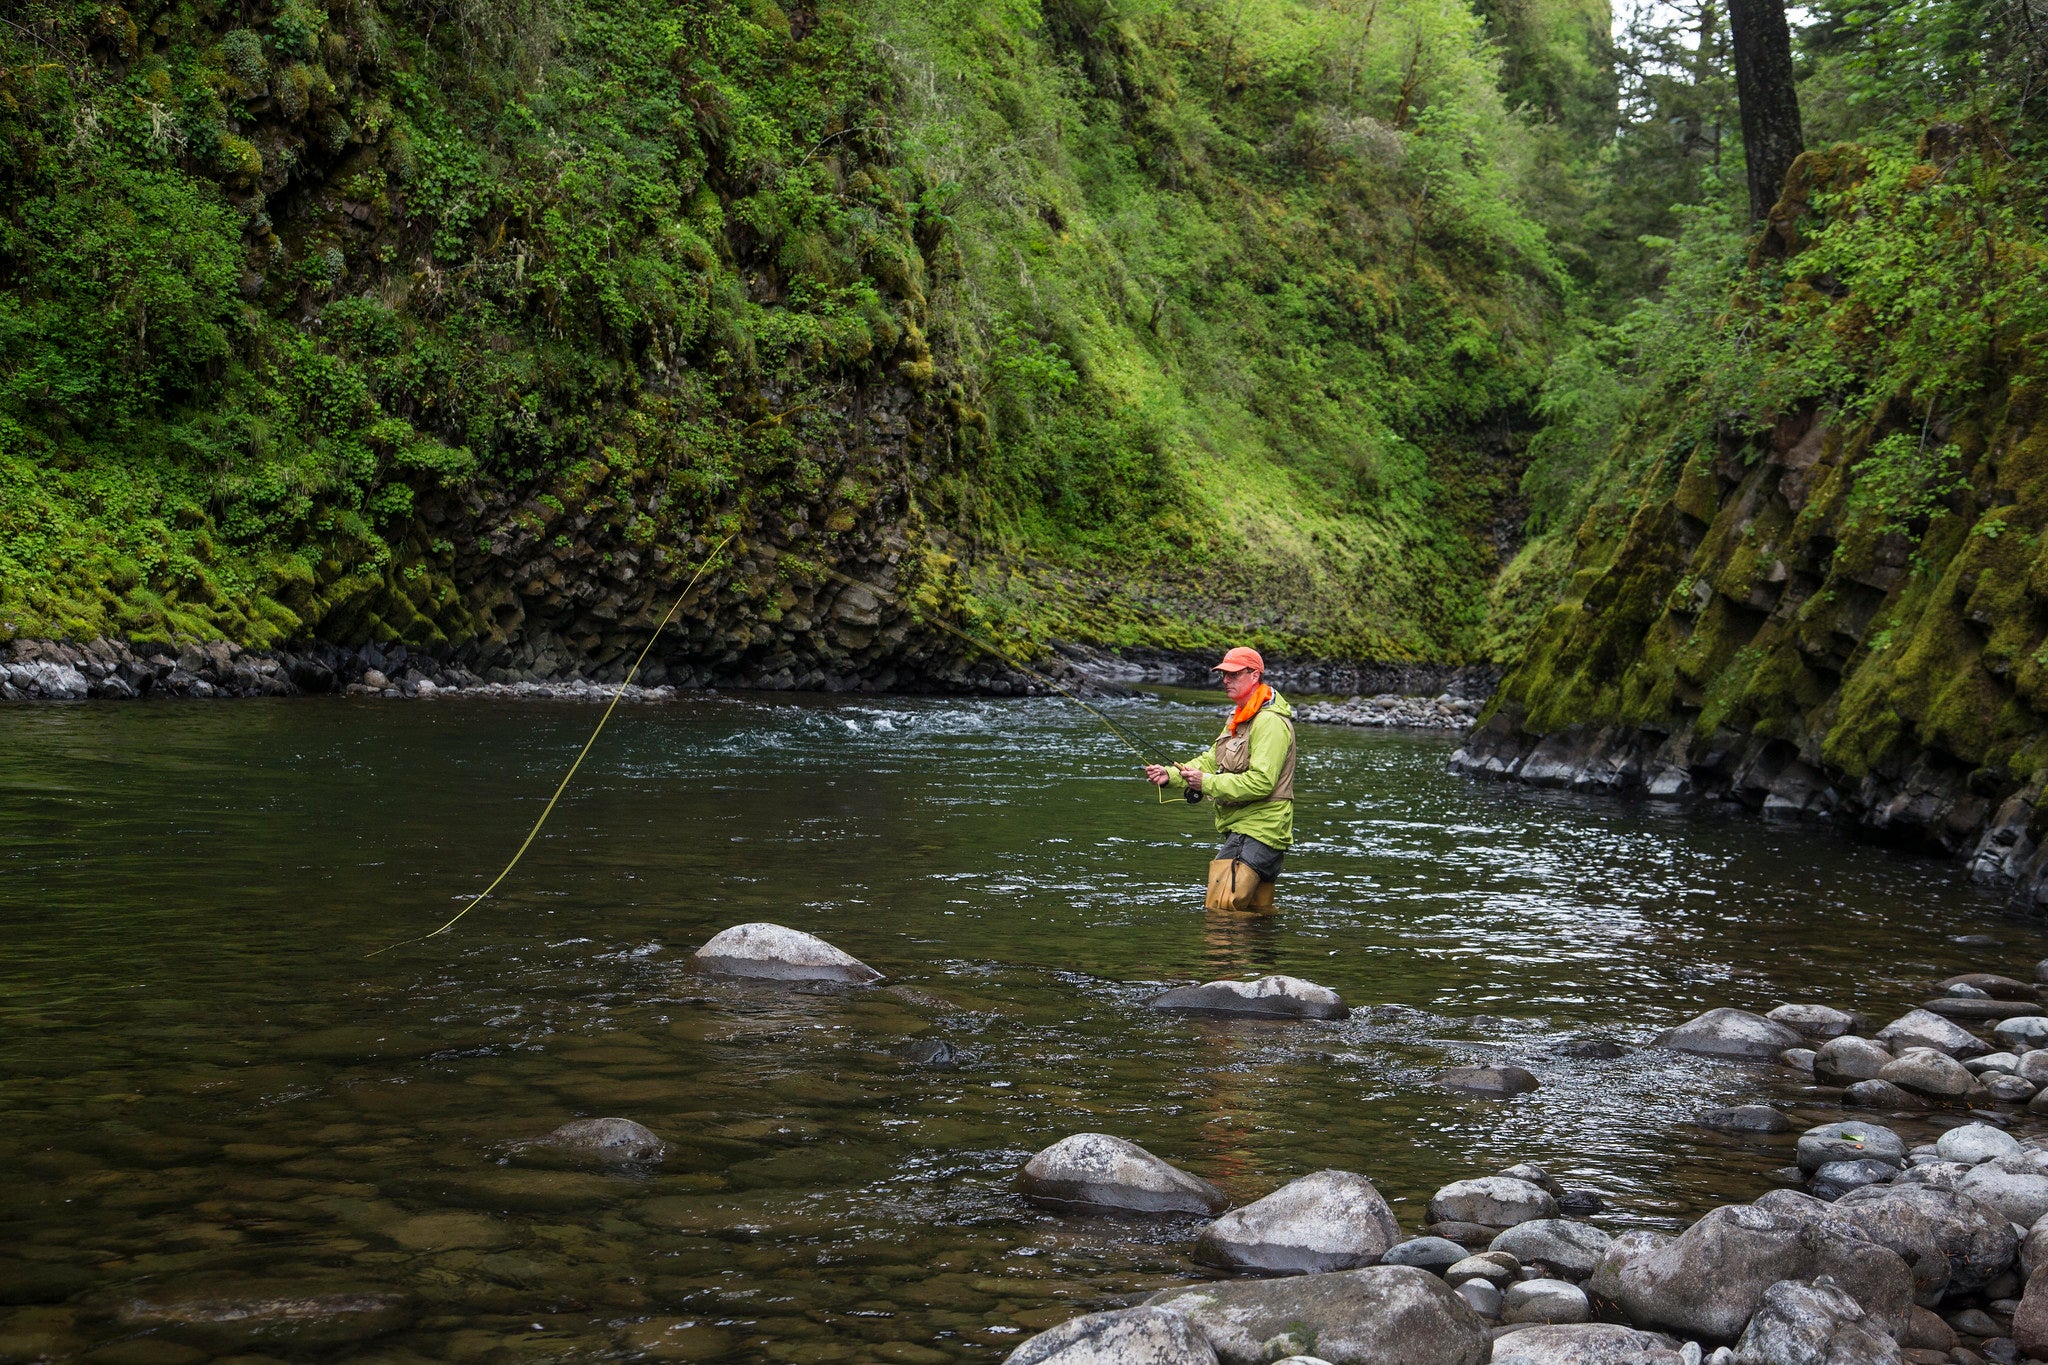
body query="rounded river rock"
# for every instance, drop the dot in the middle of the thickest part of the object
(1269, 997)
(1332, 1220)
(769, 952)
(1097, 1171)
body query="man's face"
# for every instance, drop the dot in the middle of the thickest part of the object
(1238, 683)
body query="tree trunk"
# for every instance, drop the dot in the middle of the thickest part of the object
(1763, 88)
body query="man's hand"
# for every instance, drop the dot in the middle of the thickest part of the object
(1158, 774)
(1192, 776)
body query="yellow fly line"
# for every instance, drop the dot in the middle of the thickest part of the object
(634, 672)
(548, 809)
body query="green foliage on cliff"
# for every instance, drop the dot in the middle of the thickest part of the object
(1226, 310)
(1804, 488)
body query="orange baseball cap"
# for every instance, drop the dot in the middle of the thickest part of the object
(1241, 657)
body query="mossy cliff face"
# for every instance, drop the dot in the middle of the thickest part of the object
(1837, 612)
(474, 326)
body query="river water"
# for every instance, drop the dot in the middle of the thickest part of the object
(212, 1097)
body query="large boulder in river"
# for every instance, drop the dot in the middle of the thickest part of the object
(1570, 1249)
(1587, 1343)
(770, 952)
(1850, 1142)
(1384, 1315)
(604, 1140)
(1849, 1059)
(1708, 1281)
(1730, 1033)
(1813, 1021)
(1097, 1171)
(1332, 1220)
(1813, 1324)
(1123, 1336)
(1949, 1242)
(1494, 1201)
(1918, 1028)
(1269, 997)
(1996, 986)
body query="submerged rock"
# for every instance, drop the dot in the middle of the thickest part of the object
(1881, 1095)
(1745, 1118)
(769, 952)
(1848, 1059)
(1097, 1171)
(1996, 986)
(1813, 1021)
(604, 1140)
(1348, 1317)
(1593, 1049)
(1123, 1336)
(1492, 1201)
(1799, 1323)
(934, 1052)
(1494, 1082)
(1730, 1033)
(1269, 997)
(1332, 1220)
(280, 1316)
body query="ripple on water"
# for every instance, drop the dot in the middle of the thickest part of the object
(208, 1083)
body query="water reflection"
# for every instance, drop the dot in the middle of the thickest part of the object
(211, 1093)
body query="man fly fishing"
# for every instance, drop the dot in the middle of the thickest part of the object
(1249, 774)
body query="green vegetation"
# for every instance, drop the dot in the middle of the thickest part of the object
(1211, 320)
(1804, 486)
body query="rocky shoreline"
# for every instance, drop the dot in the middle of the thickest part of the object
(1932, 806)
(1895, 1254)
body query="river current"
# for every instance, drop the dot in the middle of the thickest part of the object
(213, 1097)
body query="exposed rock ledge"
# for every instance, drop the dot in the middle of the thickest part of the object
(1930, 807)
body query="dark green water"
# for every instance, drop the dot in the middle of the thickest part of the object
(211, 1096)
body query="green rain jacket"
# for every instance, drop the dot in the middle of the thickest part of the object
(1270, 822)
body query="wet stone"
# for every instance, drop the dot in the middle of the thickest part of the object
(1493, 1082)
(2008, 1089)
(2031, 1030)
(1592, 1343)
(1919, 1028)
(1928, 1073)
(1798, 1058)
(1745, 1118)
(1434, 1254)
(1814, 1021)
(1483, 1296)
(1730, 1033)
(1331, 1220)
(1837, 1178)
(770, 952)
(932, 1052)
(274, 1317)
(1592, 1049)
(1990, 983)
(1124, 1336)
(1880, 1095)
(1849, 1142)
(1546, 1301)
(1491, 1201)
(2010, 1185)
(1974, 1143)
(1569, 1249)
(1095, 1170)
(1385, 1313)
(1269, 997)
(1978, 1011)
(1848, 1059)
(1493, 1267)
(1813, 1322)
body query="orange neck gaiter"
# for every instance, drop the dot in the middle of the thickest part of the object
(1249, 707)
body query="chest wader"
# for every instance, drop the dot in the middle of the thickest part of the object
(1234, 885)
